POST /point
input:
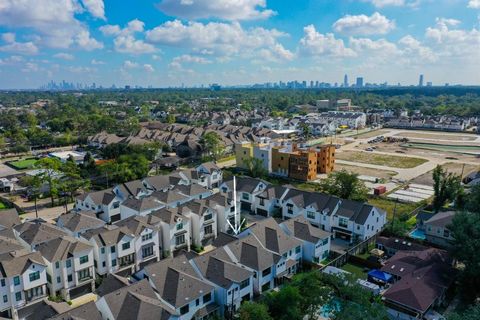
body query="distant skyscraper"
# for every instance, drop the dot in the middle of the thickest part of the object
(359, 83)
(420, 81)
(345, 81)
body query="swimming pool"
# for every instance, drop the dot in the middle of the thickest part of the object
(418, 234)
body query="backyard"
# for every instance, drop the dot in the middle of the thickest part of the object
(380, 159)
(388, 205)
(2, 205)
(356, 270)
(23, 164)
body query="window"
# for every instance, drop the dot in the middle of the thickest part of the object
(297, 249)
(68, 263)
(5, 299)
(147, 251)
(126, 246)
(102, 250)
(244, 283)
(18, 296)
(266, 272)
(114, 262)
(49, 278)
(70, 278)
(180, 240)
(16, 280)
(103, 264)
(207, 298)
(343, 222)
(147, 236)
(207, 217)
(446, 233)
(116, 204)
(325, 241)
(197, 302)
(184, 309)
(310, 215)
(57, 264)
(208, 229)
(83, 259)
(289, 208)
(59, 280)
(84, 274)
(180, 226)
(245, 196)
(2, 282)
(34, 276)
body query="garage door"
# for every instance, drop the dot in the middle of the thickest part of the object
(245, 206)
(262, 212)
(80, 291)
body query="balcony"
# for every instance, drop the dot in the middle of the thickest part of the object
(126, 260)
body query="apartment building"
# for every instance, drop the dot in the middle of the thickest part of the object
(326, 159)
(70, 267)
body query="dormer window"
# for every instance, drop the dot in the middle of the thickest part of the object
(180, 226)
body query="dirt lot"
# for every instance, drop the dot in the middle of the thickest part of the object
(426, 179)
(437, 136)
(380, 159)
(382, 174)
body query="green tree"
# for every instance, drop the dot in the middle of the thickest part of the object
(446, 186)
(255, 167)
(254, 311)
(170, 118)
(50, 175)
(315, 293)
(473, 200)
(284, 304)
(72, 180)
(472, 313)
(345, 185)
(465, 230)
(212, 144)
(306, 131)
(34, 185)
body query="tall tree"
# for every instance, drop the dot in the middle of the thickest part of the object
(284, 304)
(212, 144)
(50, 175)
(254, 311)
(345, 185)
(446, 186)
(255, 167)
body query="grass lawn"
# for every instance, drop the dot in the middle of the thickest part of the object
(388, 205)
(23, 164)
(380, 159)
(357, 271)
(2, 206)
(229, 158)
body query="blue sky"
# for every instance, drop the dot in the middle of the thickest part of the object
(172, 42)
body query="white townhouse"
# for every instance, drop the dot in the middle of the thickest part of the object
(250, 253)
(70, 267)
(136, 189)
(23, 281)
(105, 204)
(209, 175)
(181, 289)
(233, 283)
(136, 301)
(146, 241)
(139, 207)
(32, 233)
(247, 189)
(269, 202)
(77, 222)
(356, 221)
(175, 230)
(164, 182)
(113, 248)
(225, 211)
(272, 237)
(316, 242)
(203, 221)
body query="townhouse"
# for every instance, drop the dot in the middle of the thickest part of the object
(75, 223)
(23, 281)
(250, 253)
(119, 249)
(105, 204)
(273, 238)
(181, 289)
(207, 175)
(136, 301)
(175, 229)
(247, 189)
(233, 283)
(9, 218)
(203, 221)
(85, 311)
(268, 202)
(70, 267)
(35, 232)
(436, 229)
(224, 208)
(316, 242)
(139, 207)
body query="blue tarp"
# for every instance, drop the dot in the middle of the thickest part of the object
(380, 275)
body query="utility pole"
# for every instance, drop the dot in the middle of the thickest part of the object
(394, 214)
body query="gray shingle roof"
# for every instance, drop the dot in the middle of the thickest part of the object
(176, 281)
(8, 242)
(319, 201)
(108, 235)
(111, 283)
(62, 248)
(249, 252)
(86, 311)
(9, 218)
(272, 237)
(143, 204)
(137, 301)
(301, 229)
(75, 222)
(441, 219)
(135, 224)
(355, 211)
(36, 232)
(12, 264)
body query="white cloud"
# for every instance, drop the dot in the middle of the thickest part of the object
(95, 7)
(30, 67)
(412, 48)
(386, 3)
(125, 41)
(64, 56)
(317, 44)
(96, 62)
(186, 58)
(53, 21)
(11, 60)
(148, 68)
(214, 38)
(223, 9)
(8, 37)
(364, 25)
(17, 47)
(81, 69)
(474, 4)
(127, 64)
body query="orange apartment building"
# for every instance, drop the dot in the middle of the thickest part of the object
(326, 159)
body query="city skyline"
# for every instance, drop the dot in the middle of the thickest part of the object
(170, 43)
